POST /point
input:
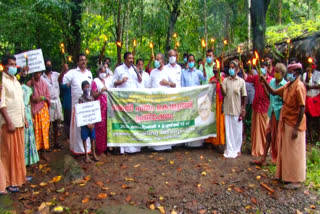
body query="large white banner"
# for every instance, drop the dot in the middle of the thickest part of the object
(35, 60)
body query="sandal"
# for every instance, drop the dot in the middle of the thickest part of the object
(13, 189)
(28, 178)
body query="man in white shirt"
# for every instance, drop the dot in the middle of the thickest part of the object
(126, 77)
(55, 111)
(144, 75)
(74, 78)
(160, 78)
(173, 68)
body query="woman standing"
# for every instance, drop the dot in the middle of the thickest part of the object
(98, 88)
(40, 102)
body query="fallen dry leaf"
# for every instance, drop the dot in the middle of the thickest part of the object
(56, 179)
(112, 193)
(102, 195)
(162, 211)
(298, 212)
(248, 207)
(33, 186)
(173, 212)
(202, 211)
(258, 177)
(41, 166)
(152, 207)
(99, 163)
(61, 198)
(312, 206)
(254, 200)
(87, 178)
(199, 185)
(136, 166)
(171, 162)
(267, 187)
(100, 184)
(128, 198)
(105, 188)
(58, 209)
(201, 157)
(237, 189)
(43, 184)
(229, 189)
(85, 200)
(60, 190)
(160, 198)
(35, 193)
(124, 186)
(203, 173)
(129, 179)
(28, 211)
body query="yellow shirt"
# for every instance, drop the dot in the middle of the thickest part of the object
(12, 98)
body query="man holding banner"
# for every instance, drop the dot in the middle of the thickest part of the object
(75, 77)
(125, 76)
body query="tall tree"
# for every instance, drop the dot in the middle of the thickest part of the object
(258, 16)
(74, 41)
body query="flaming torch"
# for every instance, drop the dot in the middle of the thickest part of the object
(203, 45)
(258, 62)
(151, 46)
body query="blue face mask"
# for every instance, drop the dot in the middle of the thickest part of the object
(185, 60)
(191, 64)
(209, 60)
(12, 71)
(157, 63)
(232, 71)
(291, 77)
(263, 71)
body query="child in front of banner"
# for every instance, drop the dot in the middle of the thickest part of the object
(88, 130)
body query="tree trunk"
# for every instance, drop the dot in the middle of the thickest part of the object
(249, 25)
(127, 25)
(205, 21)
(74, 46)
(280, 8)
(258, 17)
(174, 13)
(140, 21)
(118, 32)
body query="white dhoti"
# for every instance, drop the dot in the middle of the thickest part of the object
(76, 144)
(55, 110)
(233, 128)
(161, 148)
(130, 149)
(196, 143)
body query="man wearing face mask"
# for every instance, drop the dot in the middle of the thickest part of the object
(74, 78)
(144, 75)
(173, 68)
(185, 61)
(291, 159)
(51, 79)
(234, 91)
(160, 78)
(192, 76)
(12, 123)
(207, 65)
(126, 77)
(260, 117)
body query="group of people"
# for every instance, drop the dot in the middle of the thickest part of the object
(273, 98)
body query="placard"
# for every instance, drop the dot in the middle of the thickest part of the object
(35, 60)
(88, 113)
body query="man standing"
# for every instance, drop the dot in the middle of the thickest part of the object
(55, 111)
(192, 76)
(234, 91)
(160, 78)
(173, 68)
(126, 77)
(144, 75)
(12, 122)
(74, 78)
(208, 65)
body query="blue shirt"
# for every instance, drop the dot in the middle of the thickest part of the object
(66, 97)
(276, 102)
(192, 77)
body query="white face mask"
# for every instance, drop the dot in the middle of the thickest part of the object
(102, 75)
(172, 59)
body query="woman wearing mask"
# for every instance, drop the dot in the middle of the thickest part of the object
(98, 88)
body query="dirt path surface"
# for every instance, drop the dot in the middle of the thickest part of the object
(182, 181)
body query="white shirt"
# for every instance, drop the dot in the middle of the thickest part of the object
(199, 122)
(314, 80)
(156, 76)
(175, 72)
(52, 84)
(145, 83)
(75, 77)
(123, 71)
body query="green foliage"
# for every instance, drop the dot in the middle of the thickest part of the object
(313, 168)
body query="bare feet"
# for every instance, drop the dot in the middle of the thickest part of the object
(258, 162)
(44, 157)
(95, 158)
(87, 159)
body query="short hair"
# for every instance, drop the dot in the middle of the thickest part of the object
(234, 62)
(138, 60)
(172, 50)
(281, 67)
(185, 55)
(209, 50)
(100, 68)
(192, 56)
(47, 60)
(265, 63)
(5, 59)
(107, 58)
(84, 83)
(199, 60)
(293, 59)
(162, 56)
(80, 55)
(126, 54)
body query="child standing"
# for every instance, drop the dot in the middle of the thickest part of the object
(88, 130)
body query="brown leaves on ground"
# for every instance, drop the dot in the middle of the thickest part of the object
(102, 195)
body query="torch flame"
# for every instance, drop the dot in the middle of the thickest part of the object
(105, 38)
(239, 49)
(218, 64)
(288, 41)
(257, 55)
(70, 58)
(61, 45)
(1, 68)
(87, 51)
(134, 43)
(119, 44)
(177, 44)
(254, 62)
(175, 35)
(225, 42)
(151, 45)
(310, 60)
(212, 40)
(25, 55)
(249, 62)
(62, 50)
(203, 43)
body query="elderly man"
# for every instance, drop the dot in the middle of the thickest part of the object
(208, 65)
(74, 78)
(291, 159)
(125, 76)
(12, 123)
(234, 91)
(144, 75)
(160, 78)
(173, 68)
(55, 111)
